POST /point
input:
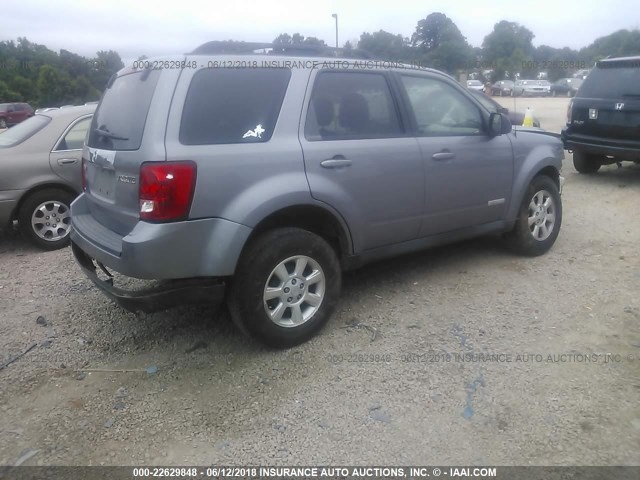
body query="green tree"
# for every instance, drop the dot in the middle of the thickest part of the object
(103, 66)
(618, 44)
(7, 95)
(509, 48)
(53, 86)
(441, 43)
(385, 45)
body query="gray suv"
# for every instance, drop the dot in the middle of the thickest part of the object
(260, 178)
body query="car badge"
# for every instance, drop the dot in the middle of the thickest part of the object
(619, 106)
(593, 113)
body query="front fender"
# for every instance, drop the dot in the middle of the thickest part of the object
(529, 162)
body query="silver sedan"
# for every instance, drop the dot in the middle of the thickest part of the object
(40, 160)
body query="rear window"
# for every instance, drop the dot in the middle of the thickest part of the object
(614, 80)
(119, 121)
(23, 131)
(233, 105)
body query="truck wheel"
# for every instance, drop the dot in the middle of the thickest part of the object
(585, 163)
(285, 288)
(45, 218)
(539, 218)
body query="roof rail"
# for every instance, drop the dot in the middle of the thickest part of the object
(222, 47)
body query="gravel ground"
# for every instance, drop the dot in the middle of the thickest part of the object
(386, 382)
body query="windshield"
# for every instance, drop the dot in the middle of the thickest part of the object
(121, 116)
(23, 131)
(615, 81)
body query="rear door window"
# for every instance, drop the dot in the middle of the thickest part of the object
(239, 105)
(119, 121)
(74, 138)
(351, 106)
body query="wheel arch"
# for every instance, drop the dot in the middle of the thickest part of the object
(546, 168)
(39, 188)
(313, 218)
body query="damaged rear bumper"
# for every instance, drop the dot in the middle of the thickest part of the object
(168, 294)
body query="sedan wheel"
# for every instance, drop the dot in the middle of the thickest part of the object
(45, 218)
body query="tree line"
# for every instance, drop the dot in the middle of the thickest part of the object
(35, 74)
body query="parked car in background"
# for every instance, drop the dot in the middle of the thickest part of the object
(566, 87)
(475, 85)
(192, 178)
(13, 113)
(516, 118)
(502, 88)
(40, 163)
(531, 88)
(603, 119)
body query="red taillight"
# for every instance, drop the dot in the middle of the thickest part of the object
(166, 190)
(83, 173)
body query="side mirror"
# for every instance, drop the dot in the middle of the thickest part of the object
(504, 110)
(499, 124)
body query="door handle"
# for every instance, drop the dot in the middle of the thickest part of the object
(336, 162)
(444, 155)
(67, 161)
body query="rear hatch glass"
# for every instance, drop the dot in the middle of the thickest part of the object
(115, 149)
(608, 101)
(119, 121)
(612, 81)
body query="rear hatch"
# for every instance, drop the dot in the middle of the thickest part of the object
(127, 129)
(607, 104)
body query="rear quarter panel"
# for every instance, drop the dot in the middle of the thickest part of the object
(245, 182)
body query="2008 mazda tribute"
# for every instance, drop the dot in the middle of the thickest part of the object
(262, 184)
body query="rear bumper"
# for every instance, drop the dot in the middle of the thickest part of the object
(8, 203)
(161, 297)
(194, 248)
(601, 146)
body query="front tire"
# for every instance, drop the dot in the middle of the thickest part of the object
(285, 288)
(45, 218)
(587, 164)
(539, 218)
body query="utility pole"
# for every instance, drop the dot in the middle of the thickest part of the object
(335, 15)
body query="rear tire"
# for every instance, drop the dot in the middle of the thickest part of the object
(44, 218)
(539, 218)
(278, 272)
(586, 164)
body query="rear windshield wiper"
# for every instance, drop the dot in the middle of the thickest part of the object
(106, 133)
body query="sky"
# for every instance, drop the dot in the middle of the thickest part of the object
(146, 27)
